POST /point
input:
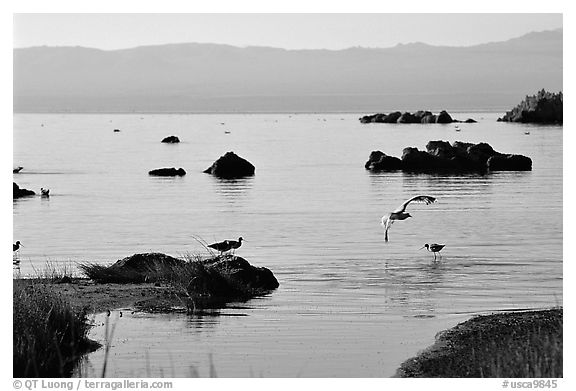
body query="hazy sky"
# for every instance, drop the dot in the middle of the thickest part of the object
(290, 31)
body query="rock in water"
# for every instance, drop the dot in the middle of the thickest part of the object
(444, 118)
(379, 161)
(543, 108)
(509, 163)
(419, 117)
(441, 156)
(231, 166)
(167, 172)
(17, 192)
(171, 140)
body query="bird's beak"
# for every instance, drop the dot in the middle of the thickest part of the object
(421, 247)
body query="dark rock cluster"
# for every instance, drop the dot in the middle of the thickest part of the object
(231, 166)
(542, 108)
(443, 156)
(17, 192)
(419, 117)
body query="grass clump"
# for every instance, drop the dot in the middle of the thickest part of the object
(49, 335)
(518, 344)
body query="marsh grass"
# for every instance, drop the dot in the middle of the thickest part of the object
(53, 272)
(105, 274)
(521, 345)
(49, 335)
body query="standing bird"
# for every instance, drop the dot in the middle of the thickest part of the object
(221, 246)
(434, 248)
(400, 214)
(15, 247)
(235, 244)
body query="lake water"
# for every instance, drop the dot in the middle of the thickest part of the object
(349, 304)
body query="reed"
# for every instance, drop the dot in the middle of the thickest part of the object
(49, 335)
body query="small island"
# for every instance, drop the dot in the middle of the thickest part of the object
(543, 108)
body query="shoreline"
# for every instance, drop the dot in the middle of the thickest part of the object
(509, 344)
(95, 297)
(482, 346)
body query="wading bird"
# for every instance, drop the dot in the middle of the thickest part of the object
(221, 246)
(400, 213)
(235, 244)
(433, 248)
(15, 247)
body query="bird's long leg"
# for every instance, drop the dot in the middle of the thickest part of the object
(387, 226)
(434, 256)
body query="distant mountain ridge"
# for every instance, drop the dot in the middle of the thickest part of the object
(194, 77)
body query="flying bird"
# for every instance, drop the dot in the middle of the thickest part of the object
(433, 248)
(400, 213)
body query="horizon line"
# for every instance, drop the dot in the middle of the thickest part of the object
(399, 44)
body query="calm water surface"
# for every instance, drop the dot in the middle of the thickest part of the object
(349, 304)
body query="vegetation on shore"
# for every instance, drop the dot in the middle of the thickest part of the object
(199, 283)
(516, 344)
(49, 335)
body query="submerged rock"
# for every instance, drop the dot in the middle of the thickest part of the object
(167, 172)
(171, 140)
(17, 192)
(231, 166)
(543, 108)
(443, 156)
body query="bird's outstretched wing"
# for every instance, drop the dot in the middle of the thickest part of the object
(421, 198)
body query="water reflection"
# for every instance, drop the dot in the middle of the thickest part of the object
(233, 190)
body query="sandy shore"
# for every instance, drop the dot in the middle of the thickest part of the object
(84, 293)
